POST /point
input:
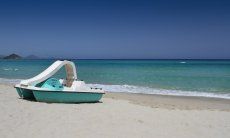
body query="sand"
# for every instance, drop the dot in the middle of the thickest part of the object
(118, 115)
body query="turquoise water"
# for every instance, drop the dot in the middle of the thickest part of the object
(177, 77)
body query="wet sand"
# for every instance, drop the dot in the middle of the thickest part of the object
(173, 102)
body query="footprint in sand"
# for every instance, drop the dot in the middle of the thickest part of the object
(140, 121)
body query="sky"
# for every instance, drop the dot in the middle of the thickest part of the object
(111, 29)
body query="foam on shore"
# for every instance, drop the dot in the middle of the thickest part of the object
(148, 90)
(143, 90)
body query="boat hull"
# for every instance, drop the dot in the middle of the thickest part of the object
(66, 97)
(25, 93)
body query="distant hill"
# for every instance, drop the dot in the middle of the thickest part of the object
(31, 57)
(13, 56)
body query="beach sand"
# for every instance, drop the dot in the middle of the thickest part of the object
(118, 115)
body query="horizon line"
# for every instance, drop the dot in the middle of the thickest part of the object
(123, 59)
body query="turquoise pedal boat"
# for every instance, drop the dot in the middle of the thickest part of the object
(44, 88)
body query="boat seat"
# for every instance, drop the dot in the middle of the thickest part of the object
(52, 84)
(77, 86)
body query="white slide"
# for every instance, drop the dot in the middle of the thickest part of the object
(50, 71)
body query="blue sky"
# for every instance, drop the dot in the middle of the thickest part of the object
(116, 29)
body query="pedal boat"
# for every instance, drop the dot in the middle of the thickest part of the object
(45, 88)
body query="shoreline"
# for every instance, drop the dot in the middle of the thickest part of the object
(173, 93)
(168, 101)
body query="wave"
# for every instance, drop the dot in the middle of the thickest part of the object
(10, 69)
(9, 81)
(6, 69)
(142, 90)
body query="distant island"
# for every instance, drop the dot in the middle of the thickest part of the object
(13, 56)
(16, 57)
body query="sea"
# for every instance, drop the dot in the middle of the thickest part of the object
(202, 78)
